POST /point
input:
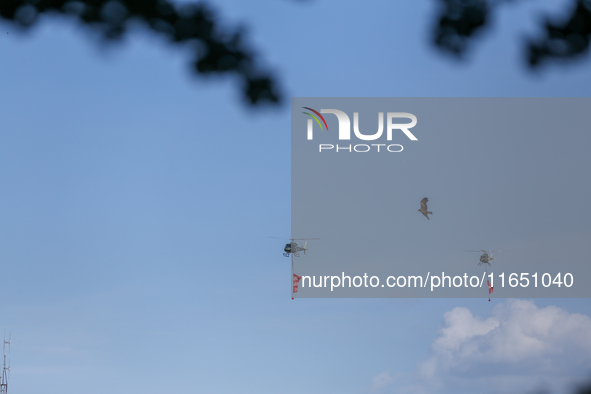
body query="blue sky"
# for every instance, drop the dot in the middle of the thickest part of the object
(137, 201)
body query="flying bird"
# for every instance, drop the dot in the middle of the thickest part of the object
(423, 209)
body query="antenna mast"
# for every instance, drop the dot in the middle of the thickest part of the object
(5, 369)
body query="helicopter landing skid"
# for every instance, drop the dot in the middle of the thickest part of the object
(286, 254)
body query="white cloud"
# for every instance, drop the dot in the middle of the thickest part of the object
(380, 381)
(518, 349)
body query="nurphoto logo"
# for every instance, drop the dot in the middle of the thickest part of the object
(345, 130)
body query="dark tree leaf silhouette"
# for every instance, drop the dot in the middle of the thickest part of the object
(225, 53)
(461, 21)
(218, 52)
(568, 39)
(585, 390)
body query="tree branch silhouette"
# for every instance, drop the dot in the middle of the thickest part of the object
(461, 21)
(219, 52)
(569, 39)
(224, 52)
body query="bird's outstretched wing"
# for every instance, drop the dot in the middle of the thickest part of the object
(424, 203)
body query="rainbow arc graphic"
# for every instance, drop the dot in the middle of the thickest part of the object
(315, 118)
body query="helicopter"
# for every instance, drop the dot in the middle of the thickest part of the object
(486, 257)
(293, 248)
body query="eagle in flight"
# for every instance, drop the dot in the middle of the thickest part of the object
(423, 209)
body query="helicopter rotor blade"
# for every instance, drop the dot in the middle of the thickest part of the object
(485, 251)
(295, 239)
